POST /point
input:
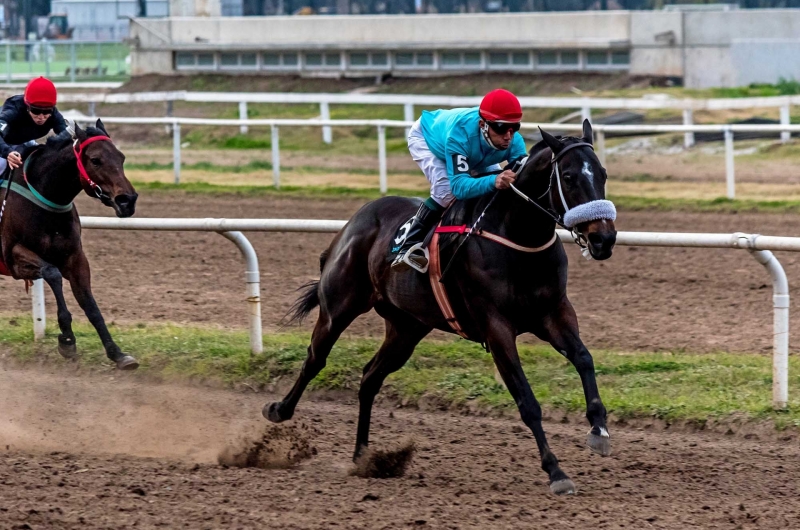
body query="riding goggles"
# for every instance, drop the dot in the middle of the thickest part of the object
(503, 128)
(38, 111)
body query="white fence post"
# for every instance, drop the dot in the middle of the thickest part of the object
(408, 115)
(39, 312)
(785, 120)
(601, 146)
(276, 158)
(688, 137)
(325, 114)
(252, 277)
(780, 326)
(586, 114)
(729, 169)
(176, 151)
(73, 64)
(382, 159)
(8, 63)
(243, 116)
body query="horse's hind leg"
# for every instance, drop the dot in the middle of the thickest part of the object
(502, 343)
(560, 329)
(340, 304)
(402, 336)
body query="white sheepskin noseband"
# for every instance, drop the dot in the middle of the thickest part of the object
(590, 211)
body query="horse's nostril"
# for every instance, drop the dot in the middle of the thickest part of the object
(125, 200)
(595, 239)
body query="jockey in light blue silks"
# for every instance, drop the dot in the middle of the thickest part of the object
(450, 146)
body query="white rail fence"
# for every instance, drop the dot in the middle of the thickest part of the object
(758, 246)
(381, 125)
(409, 101)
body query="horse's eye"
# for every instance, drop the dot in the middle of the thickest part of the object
(96, 161)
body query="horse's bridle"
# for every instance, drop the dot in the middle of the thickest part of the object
(86, 180)
(552, 213)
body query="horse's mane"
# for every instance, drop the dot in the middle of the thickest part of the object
(541, 145)
(59, 141)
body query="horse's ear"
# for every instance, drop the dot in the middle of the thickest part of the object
(587, 132)
(80, 134)
(552, 142)
(102, 127)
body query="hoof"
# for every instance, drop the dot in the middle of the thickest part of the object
(67, 349)
(127, 363)
(563, 487)
(599, 442)
(270, 412)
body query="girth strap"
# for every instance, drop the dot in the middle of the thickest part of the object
(435, 266)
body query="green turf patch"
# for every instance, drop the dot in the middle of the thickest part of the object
(670, 386)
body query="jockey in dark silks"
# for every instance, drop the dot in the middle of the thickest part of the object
(26, 118)
(450, 146)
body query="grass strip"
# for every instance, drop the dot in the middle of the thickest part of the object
(670, 386)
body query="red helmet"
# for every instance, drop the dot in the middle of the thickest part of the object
(501, 105)
(40, 92)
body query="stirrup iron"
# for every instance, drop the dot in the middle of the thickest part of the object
(406, 258)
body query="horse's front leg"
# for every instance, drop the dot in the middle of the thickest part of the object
(79, 275)
(560, 329)
(501, 339)
(29, 266)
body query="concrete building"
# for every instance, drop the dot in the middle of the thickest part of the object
(105, 19)
(705, 49)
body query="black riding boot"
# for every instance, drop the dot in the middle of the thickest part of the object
(411, 251)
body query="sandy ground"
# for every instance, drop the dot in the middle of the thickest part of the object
(109, 451)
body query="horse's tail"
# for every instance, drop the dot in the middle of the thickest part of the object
(310, 297)
(304, 304)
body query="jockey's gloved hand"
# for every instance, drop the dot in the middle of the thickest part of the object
(14, 159)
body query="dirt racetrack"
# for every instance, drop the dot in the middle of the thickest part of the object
(641, 299)
(108, 452)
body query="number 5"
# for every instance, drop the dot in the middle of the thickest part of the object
(461, 163)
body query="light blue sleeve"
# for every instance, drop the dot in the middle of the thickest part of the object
(466, 187)
(462, 184)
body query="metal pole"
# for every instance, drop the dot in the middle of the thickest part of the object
(99, 60)
(729, 173)
(243, 116)
(73, 61)
(785, 120)
(325, 114)
(39, 312)
(601, 146)
(46, 46)
(276, 158)
(586, 113)
(382, 158)
(408, 115)
(8, 63)
(251, 276)
(168, 113)
(780, 326)
(688, 137)
(176, 151)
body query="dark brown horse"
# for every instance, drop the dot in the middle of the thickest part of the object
(497, 292)
(40, 232)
